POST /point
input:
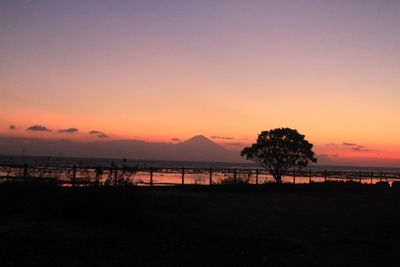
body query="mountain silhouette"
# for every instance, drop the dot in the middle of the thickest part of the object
(199, 139)
(201, 148)
(199, 142)
(197, 148)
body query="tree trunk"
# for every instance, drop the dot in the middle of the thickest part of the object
(278, 179)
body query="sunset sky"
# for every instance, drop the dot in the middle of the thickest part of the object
(157, 70)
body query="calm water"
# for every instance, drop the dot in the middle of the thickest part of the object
(102, 162)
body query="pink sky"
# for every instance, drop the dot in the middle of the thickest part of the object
(156, 71)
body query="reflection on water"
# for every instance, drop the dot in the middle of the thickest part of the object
(160, 178)
(66, 172)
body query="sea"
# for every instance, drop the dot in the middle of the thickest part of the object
(106, 162)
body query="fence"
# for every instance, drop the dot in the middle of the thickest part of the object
(152, 176)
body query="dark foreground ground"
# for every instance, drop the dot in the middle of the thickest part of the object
(310, 225)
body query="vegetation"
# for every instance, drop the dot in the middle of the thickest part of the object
(280, 149)
(269, 225)
(239, 178)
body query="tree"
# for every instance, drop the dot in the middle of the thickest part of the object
(280, 149)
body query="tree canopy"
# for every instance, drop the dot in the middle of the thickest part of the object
(280, 149)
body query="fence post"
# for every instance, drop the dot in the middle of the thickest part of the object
(151, 176)
(372, 175)
(115, 176)
(183, 175)
(25, 172)
(210, 182)
(310, 176)
(381, 176)
(234, 176)
(73, 175)
(256, 176)
(326, 175)
(98, 174)
(110, 173)
(359, 174)
(294, 176)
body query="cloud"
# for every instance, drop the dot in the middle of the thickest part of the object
(99, 134)
(12, 127)
(95, 132)
(103, 135)
(328, 155)
(69, 130)
(356, 147)
(235, 144)
(331, 144)
(349, 144)
(221, 137)
(38, 128)
(359, 148)
(175, 139)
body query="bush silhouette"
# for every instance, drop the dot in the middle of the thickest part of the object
(241, 178)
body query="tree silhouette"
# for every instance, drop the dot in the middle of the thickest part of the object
(280, 149)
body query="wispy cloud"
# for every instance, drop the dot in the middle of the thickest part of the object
(69, 130)
(235, 144)
(328, 155)
(359, 148)
(221, 137)
(103, 135)
(12, 127)
(349, 144)
(38, 128)
(175, 139)
(356, 147)
(99, 134)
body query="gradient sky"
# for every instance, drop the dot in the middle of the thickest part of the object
(156, 70)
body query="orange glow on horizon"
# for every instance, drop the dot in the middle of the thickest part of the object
(378, 151)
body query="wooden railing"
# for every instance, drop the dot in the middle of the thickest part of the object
(152, 176)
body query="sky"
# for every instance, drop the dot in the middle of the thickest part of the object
(163, 70)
